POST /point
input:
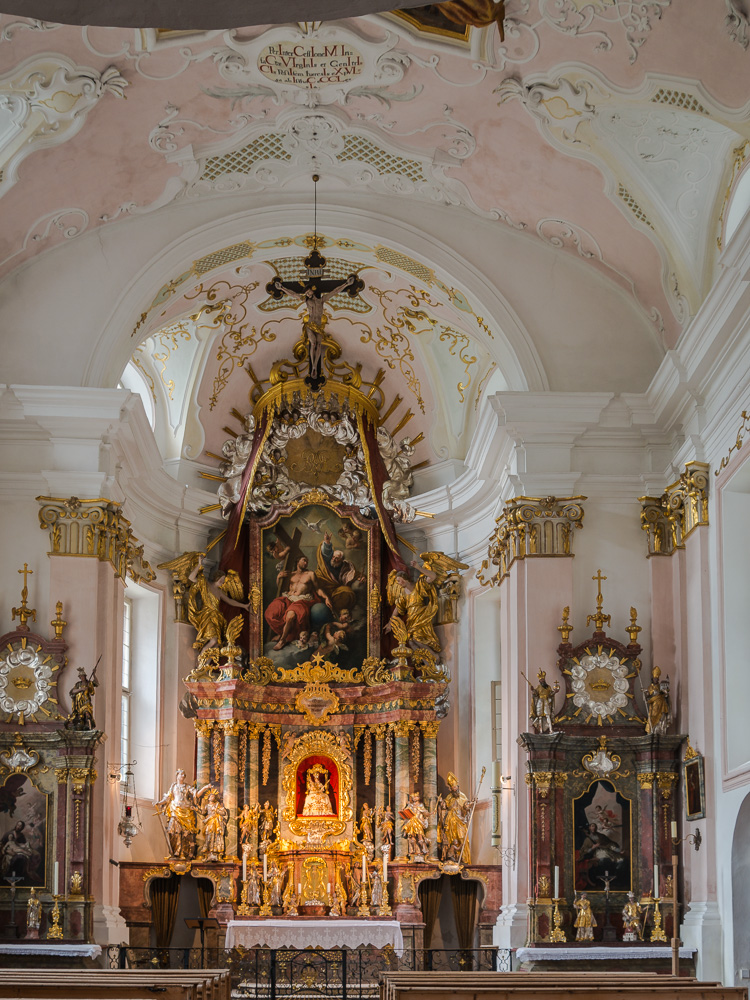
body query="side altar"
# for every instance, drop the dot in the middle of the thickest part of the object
(318, 687)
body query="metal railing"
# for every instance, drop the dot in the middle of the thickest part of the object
(313, 973)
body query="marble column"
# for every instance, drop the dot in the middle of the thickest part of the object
(381, 780)
(429, 777)
(203, 755)
(401, 791)
(231, 741)
(252, 778)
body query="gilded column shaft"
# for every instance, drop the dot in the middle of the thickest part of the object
(231, 741)
(401, 754)
(203, 752)
(429, 765)
(381, 781)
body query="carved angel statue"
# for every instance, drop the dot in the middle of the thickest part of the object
(445, 572)
(204, 598)
(415, 607)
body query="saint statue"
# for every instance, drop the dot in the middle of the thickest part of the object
(416, 820)
(376, 887)
(365, 825)
(180, 806)
(317, 793)
(455, 812)
(658, 704)
(248, 823)
(267, 824)
(630, 917)
(542, 702)
(384, 821)
(585, 920)
(253, 885)
(215, 828)
(33, 915)
(81, 696)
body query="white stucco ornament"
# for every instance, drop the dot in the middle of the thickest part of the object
(599, 684)
(25, 680)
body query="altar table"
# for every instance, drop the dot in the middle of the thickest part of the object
(298, 934)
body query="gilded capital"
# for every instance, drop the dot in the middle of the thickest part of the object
(203, 727)
(670, 518)
(380, 731)
(97, 529)
(401, 729)
(666, 780)
(530, 526)
(645, 779)
(430, 729)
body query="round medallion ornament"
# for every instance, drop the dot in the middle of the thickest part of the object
(25, 680)
(599, 684)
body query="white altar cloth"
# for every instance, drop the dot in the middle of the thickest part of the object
(49, 948)
(314, 934)
(597, 953)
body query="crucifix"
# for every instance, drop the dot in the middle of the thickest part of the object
(24, 612)
(314, 292)
(599, 619)
(608, 931)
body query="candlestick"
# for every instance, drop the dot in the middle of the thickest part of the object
(657, 933)
(557, 881)
(243, 910)
(54, 931)
(558, 934)
(265, 910)
(364, 909)
(384, 910)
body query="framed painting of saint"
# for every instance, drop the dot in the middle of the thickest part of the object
(23, 831)
(694, 785)
(316, 569)
(602, 837)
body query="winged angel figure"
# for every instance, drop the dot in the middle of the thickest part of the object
(204, 597)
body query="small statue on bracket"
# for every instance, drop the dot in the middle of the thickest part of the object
(365, 830)
(658, 704)
(248, 823)
(384, 823)
(416, 820)
(81, 717)
(542, 702)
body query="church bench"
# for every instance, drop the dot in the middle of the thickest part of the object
(117, 984)
(556, 986)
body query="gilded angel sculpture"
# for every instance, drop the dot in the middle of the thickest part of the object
(204, 597)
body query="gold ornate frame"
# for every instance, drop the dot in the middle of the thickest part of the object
(307, 745)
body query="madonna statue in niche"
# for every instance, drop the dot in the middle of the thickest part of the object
(317, 793)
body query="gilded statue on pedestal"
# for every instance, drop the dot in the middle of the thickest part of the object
(454, 811)
(267, 824)
(81, 696)
(365, 828)
(630, 918)
(248, 824)
(416, 820)
(585, 921)
(384, 822)
(33, 915)
(180, 806)
(215, 828)
(658, 704)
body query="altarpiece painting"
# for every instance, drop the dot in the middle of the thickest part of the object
(23, 831)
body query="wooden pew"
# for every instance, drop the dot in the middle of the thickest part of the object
(550, 986)
(116, 984)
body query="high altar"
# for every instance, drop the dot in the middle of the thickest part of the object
(317, 687)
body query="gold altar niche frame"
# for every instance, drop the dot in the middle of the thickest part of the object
(300, 527)
(317, 746)
(602, 837)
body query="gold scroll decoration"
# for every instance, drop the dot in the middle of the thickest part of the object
(327, 745)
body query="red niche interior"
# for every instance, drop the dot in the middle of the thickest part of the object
(333, 777)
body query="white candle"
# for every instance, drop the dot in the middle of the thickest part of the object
(557, 882)
(364, 869)
(328, 889)
(244, 868)
(299, 889)
(57, 876)
(265, 868)
(674, 830)
(385, 869)
(656, 881)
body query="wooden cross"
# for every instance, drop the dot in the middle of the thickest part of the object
(294, 553)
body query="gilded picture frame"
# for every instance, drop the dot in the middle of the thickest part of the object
(694, 787)
(317, 745)
(602, 838)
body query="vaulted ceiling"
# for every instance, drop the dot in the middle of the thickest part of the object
(540, 212)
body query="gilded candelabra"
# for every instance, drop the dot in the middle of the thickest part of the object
(657, 932)
(384, 910)
(243, 910)
(54, 931)
(558, 934)
(364, 908)
(265, 910)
